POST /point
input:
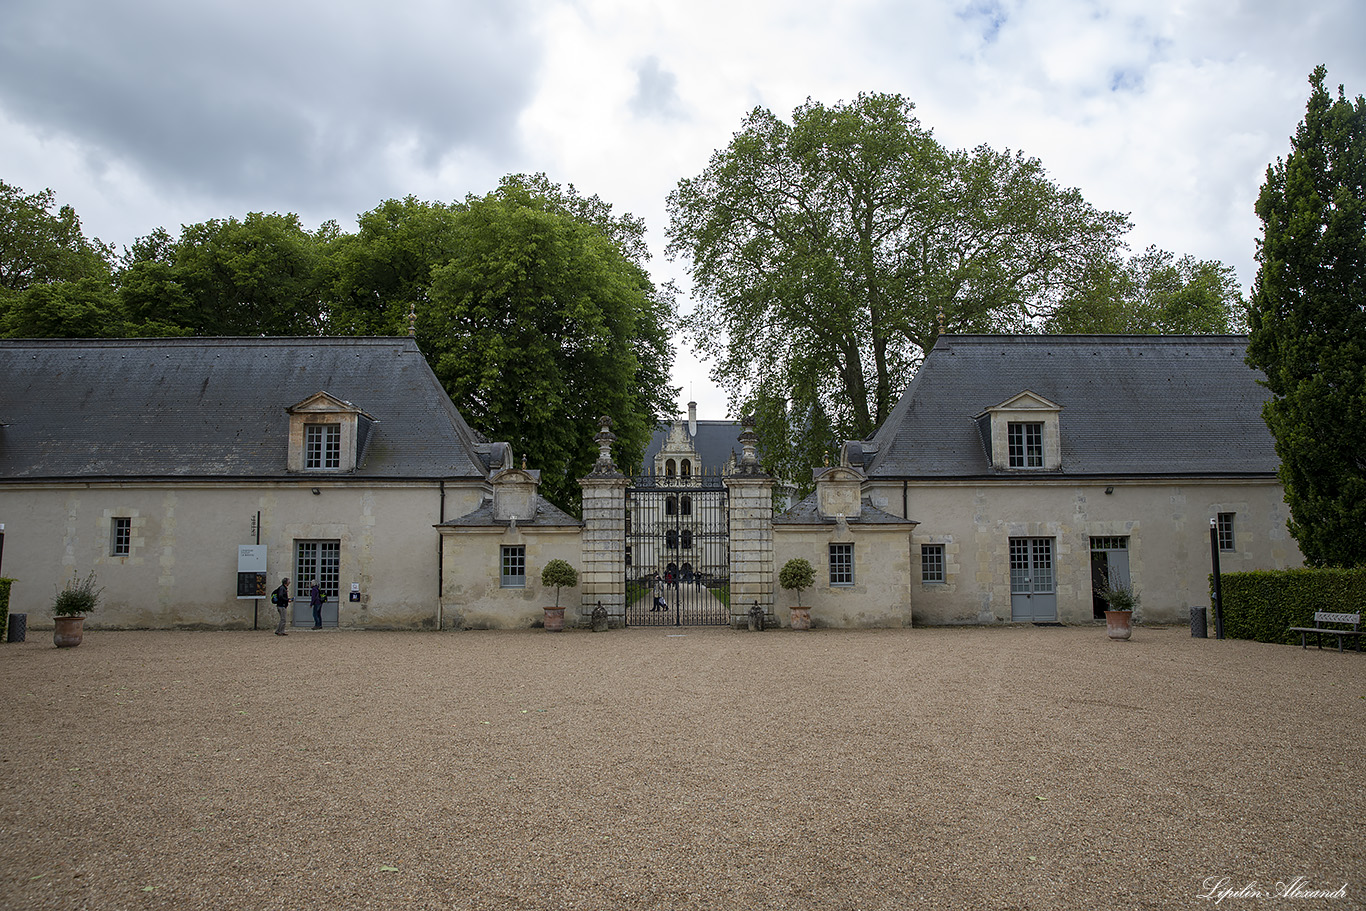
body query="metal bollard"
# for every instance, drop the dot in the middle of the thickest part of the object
(18, 628)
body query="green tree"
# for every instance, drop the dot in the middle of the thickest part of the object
(537, 323)
(38, 246)
(1154, 293)
(257, 276)
(823, 253)
(1308, 319)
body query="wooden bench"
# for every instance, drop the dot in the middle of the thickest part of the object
(1319, 630)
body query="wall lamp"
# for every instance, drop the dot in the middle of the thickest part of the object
(316, 491)
(1108, 491)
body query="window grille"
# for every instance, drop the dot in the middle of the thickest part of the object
(322, 446)
(317, 561)
(1226, 531)
(514, 566)
(841, 564)
(932, 563)
(1110, 543)
(1025, 443)
(122, 541)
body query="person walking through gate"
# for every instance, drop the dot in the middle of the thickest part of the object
(280, 598)
(315, 600)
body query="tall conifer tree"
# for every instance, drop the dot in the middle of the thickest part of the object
(1308, 321)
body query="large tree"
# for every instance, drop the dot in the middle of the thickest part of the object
(538, 323)
(1308, 318)
(826, 254)
(257, 276)
(1154, 293)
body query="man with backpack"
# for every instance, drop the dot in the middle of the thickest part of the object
(280, 598)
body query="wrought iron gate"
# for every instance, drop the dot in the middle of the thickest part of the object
(677, 552)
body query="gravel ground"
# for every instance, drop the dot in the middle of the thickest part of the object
(694, 768)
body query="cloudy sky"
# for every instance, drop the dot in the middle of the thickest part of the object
(148, 113)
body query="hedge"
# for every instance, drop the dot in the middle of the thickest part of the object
(4, 605)
(1263, 605)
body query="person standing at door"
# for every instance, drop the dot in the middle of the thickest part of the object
(281, 599)
(315, 599)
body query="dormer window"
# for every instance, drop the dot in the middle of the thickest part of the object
(1023, 433)
(327, 434)
(322, 447)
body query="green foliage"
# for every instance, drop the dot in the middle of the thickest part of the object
(1116, 595)
(5, 584)
(823, 251)
(77, 598)
(559, 574)
(797, 574)
(1154, 293)
(537, 324)
(1308, 319)
(39, 247)
(1263, 605)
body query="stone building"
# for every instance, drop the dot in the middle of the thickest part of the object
(152, 462)
(1034, 464)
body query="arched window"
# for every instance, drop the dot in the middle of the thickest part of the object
(669, 468)
(686, 504)
(670, 506)
(671, 539)
(687, 539)
(685, 468)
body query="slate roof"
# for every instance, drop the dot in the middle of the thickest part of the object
(215, 408)
(1132, 406)
(547, 515)
(715, 441)
(806, 512)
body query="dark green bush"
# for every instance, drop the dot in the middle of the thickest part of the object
(4, 604)
(1263, 605)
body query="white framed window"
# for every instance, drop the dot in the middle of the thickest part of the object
(932, 563)
(322, 447)
(120, 536)
(513, 572)
(841, 564)
(317, 561)
(1226, 541)
(1024, 442)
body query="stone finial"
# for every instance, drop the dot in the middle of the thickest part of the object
(749, 443)
(524, 461)
(605, 438)
(412, 320)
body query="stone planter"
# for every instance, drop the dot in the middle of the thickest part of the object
(1117, 623)
(801, 617)
(554, 619)
(67, 632)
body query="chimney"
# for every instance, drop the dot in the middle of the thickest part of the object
(692, 420)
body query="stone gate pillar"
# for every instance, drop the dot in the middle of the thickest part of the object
(751, 533)
(604, 534)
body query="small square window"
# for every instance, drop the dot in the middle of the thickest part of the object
(1226, 531)
(841, 564)
(322, 446)
(932, 563)
(1025, 443)
(121, 537)
(514, 566)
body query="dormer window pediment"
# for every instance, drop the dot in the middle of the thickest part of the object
(326, 434)
(1024, 433)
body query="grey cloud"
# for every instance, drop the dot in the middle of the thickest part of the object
(656, 92)
(256, 98)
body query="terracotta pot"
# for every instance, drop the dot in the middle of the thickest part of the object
(68, 631)
(554, 619)
(801, 617)
(1117, 623)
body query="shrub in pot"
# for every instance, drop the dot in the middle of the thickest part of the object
(1120, 601)
(797, 575)
(559, 574)
(69, 607)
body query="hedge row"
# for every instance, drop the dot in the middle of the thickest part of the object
(1263, 605)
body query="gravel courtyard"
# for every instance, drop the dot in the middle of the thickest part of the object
(690, 768)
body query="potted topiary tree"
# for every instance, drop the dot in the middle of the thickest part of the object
(69, 608)
(559, 574)
(797, 574)
(1120, 602)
